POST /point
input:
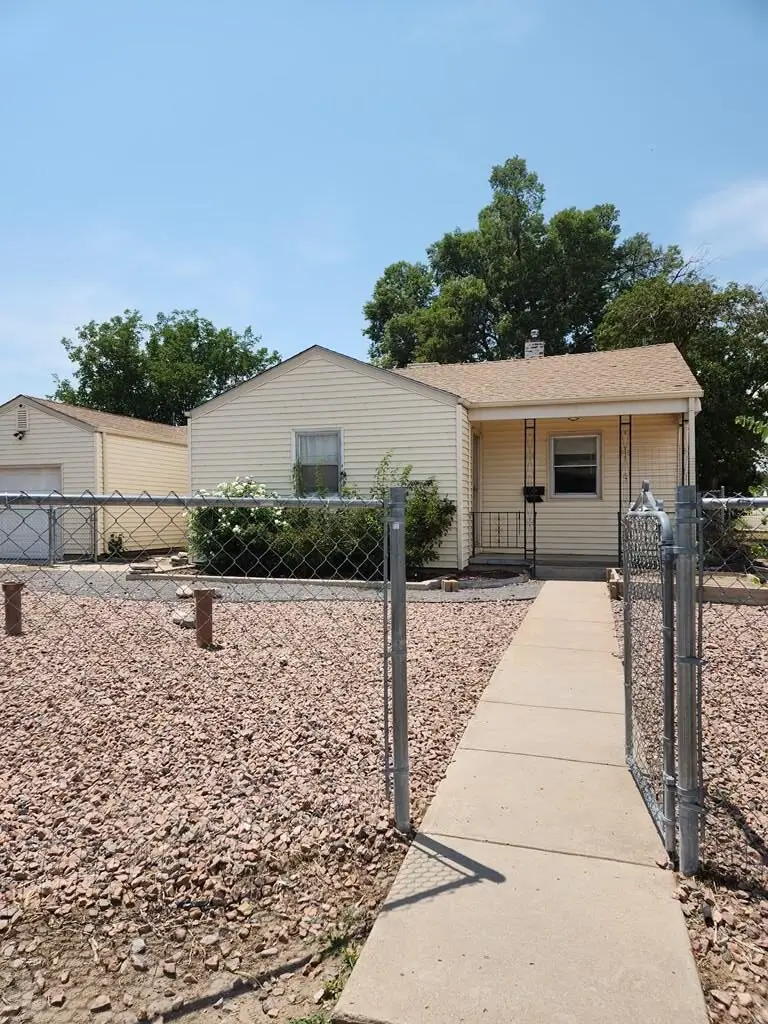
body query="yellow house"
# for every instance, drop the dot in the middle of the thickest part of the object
(540, 455)
(49, 446)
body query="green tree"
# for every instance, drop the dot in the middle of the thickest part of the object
(111, 366)
(723, 334)
(158, 370)
(481, 292)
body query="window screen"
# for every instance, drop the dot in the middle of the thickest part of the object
(319, 458)
(575, 465)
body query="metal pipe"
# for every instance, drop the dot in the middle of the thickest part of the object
(688, 739)
(737, 503)
(386, 654)
(178, 501)
(700, 666)
(401, 771)
(51, 537)
(628, 713)
(669, 798)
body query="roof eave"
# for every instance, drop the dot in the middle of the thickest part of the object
(532, 403)
(181, 442)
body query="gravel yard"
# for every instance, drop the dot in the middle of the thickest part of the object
(726, 908)
(118, 583)
(173, 820)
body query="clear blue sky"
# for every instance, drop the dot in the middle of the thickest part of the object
(264, 162)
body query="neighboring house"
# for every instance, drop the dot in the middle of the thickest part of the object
(48, 446)
(540, 455)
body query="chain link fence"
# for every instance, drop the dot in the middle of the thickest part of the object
(206, 735)
(695, 620)
(168, 625)
(733, 687)
(647, 545)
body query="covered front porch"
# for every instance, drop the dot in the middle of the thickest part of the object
(548, 490)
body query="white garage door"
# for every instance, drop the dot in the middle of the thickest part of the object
(25, 531)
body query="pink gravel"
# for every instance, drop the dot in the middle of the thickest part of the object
(152, 788)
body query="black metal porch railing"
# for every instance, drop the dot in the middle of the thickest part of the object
(498, 531)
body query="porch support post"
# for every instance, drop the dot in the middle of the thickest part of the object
(690, 437)
(625, 472)
(529, 501)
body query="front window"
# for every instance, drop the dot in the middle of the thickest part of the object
(576, 465)
(318, 462)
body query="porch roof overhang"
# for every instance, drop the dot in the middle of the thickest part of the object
(617, 407)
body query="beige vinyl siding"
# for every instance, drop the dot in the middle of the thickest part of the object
(657, 457)
(465, 453)
(252, 434)
(588, 527)
(132, 465)
(502, 448)
(581, 527)
(54, 441)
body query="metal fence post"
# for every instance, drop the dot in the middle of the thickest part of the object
(386, 655)
(51, 535)
(669, 799)
(628, 730)
(687, 712)
(399, 662)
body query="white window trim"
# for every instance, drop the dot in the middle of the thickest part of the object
(297, 432)
(559, 496)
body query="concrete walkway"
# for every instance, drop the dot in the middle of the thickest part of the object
(532, 893)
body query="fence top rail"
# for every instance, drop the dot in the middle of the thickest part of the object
(710, 501)
(88, 500)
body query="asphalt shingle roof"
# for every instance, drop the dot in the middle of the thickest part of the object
(654, 372)
(112, 424)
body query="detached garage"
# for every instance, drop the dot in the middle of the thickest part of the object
(48, 446)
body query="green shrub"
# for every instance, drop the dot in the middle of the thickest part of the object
(316, 543)
(308, 543)
(235, 541)
(428, 516)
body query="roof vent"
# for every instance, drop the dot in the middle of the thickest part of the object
(22, 419)
(534, 346)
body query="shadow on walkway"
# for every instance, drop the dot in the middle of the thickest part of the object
(439, 870)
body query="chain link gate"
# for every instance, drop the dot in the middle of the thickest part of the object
(649, 653)
(662, 698)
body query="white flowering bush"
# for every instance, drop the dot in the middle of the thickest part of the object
(222, 538)
(288, 542)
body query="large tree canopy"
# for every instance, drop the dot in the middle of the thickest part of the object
(158, 370)
(723, 334)
(481, 292)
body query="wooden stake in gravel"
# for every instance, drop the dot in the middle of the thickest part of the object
(204, 617)
(12, 601)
